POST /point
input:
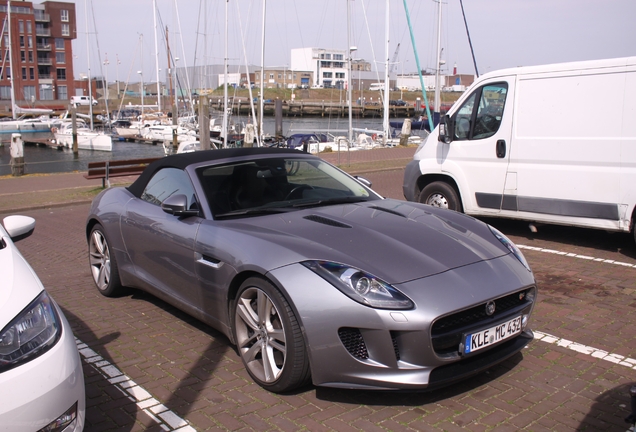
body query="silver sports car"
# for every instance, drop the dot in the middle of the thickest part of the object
(311, 274)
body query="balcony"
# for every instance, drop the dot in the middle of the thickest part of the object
(40, 16)
(43, 47)
(43, 32)
(43, 61)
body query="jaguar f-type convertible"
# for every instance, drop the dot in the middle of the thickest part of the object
(311, 274)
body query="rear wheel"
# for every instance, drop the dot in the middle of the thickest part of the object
(269, 338)
(103, 263)
(441, 194)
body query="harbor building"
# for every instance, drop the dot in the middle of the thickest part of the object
(37, 53)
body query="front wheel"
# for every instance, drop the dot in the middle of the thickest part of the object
(269, 338)
(441, 194)
(103, 263)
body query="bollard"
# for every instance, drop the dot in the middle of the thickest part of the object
(406, 132)
(249, 136)
(17, 155)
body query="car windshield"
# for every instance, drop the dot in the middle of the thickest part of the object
(277, 185)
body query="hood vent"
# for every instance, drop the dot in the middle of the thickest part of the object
(393, 212)
(326, 221)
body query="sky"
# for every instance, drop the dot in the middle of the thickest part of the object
(120, 40)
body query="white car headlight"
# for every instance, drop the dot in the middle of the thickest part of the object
(360, 286)
(510, 246)
(33, 332)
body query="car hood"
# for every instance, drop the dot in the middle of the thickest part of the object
(19, 284)
(397, 241)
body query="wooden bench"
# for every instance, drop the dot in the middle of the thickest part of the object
(116, 168)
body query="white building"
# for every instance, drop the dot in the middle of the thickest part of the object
(329, 66)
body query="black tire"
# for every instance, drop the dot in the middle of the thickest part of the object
(268, 337)
(441, 194)
(103, 263)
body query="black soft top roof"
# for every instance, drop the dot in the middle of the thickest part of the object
(183, 160)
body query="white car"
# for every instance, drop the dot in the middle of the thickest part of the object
(41, 377)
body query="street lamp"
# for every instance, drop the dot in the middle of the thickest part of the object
(142, 90)
(117, 71)
(106, 63)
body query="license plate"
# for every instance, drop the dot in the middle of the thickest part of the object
(485, 338)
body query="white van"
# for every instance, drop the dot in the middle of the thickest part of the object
(81, 100)
(553, 144)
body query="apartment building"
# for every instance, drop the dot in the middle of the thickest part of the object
(36, 49)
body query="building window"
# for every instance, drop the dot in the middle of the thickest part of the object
(31, 73)
(61, 74)
(30, 41)
(271, 76)
(64, 15)
(60, 57)
(337, 56)
(29, 93)
(46, 92)
(29, 28)
(22, 56)
(59, 43)
(66, 31)
(21, 41)
(24, 73)
(21, 26)
(30, 56)
(62, 92)
(5, 92)
(280, 76)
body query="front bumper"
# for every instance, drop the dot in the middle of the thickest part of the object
(354, 346)
(41, 390)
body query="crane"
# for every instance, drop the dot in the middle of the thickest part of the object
(393, 60)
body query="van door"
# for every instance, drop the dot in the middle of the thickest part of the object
(567, 163)
(478, 155)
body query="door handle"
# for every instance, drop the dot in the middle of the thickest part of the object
(501, 149)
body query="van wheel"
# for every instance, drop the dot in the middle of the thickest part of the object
(441, 194)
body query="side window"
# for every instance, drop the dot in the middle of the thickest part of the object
(168, 182)
(480, 115)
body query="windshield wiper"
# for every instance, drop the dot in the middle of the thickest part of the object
(254, 211)
(329, 201)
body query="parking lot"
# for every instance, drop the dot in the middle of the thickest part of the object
(148, 366)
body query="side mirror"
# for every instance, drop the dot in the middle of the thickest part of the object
(177, 205)
(19, 227)
(446, 129)
(364, 181)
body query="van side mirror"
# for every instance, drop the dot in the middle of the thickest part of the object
(446, 128)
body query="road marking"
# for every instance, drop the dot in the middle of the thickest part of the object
(166, 419)
(573, 255)
(586, 350)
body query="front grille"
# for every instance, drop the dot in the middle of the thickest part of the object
(352, 340)
(446, 332)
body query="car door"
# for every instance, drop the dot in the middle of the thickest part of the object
(161, 245)
(479, 154)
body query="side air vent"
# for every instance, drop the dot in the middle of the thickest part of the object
(393, 212)
(327, 221)
(352, 340)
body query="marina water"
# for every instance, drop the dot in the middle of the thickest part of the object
(41, 158)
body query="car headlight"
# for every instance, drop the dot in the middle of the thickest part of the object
(360, 286)
(33, 332)
(510, 246)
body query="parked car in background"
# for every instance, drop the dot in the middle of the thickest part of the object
(82, 100)
(397, 102)
(41, 373)
(313, 275)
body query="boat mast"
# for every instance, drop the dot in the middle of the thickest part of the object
(419, 69)
(88, 61)
(261, 99)
(436, 108)
(224, 126)
(385, 125)
(13, 110)
(350, 49)
(154, 17)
